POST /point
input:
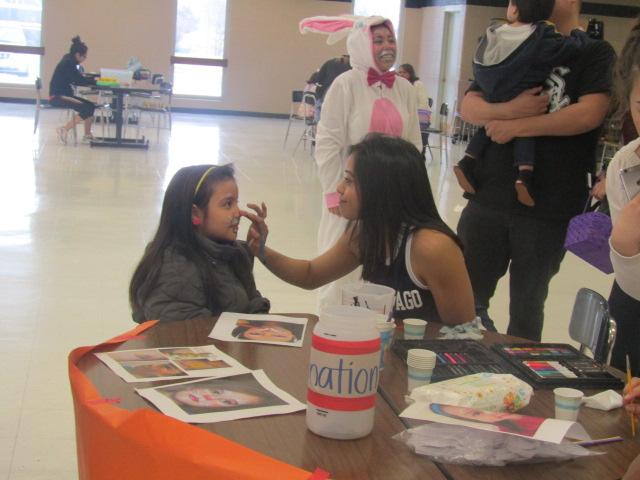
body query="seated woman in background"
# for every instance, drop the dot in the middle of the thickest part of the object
(194, 266)
(407, 71)
(65, 76)
(394, 232)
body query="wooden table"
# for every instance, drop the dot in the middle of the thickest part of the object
(284, 437)
(599, 424)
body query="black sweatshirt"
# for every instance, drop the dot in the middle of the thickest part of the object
(65, 75)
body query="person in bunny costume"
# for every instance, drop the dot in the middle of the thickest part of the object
(368, 98)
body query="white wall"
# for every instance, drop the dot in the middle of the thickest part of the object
(267, 55)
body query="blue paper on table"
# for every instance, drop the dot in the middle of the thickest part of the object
(588, 238)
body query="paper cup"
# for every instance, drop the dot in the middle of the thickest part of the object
(386, 337)
(414, 328)
(417, 377)
(371, 296)
(567, 403)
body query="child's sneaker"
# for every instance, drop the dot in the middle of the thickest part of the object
(524, 188)
(88, 138)
(464, 173)
(62, 134)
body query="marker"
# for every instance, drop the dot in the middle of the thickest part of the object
(451, 359)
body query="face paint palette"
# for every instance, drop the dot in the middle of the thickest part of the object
(456, 358)
(550, 365)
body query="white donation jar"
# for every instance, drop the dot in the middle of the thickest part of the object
(343, 373)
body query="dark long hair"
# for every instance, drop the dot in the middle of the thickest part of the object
(625, 73)
(175, 230)
(78, 46)
(407, 67)
(532, 11)
(392, 181)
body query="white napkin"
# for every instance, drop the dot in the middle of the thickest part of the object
(469, 330)
(607, 400)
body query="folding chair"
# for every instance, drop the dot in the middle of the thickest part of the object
(102, 98)
(156, 105)
(310, 123)
(40, 106)
(592, 326)
(298, 98)
(441, 131)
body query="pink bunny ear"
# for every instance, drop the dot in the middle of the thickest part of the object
(335, 27)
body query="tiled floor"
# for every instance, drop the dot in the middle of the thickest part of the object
(74, 221)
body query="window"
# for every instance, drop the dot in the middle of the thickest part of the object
(198, 60)
(384, 8)
(20, 50)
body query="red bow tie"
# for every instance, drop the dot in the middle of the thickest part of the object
(387, 77)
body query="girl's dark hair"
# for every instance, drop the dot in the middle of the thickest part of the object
(175, 231)
(531, 11)
(392, 181)
(625, 73)
(407, 67)
(78, 46)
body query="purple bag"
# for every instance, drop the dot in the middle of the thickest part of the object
(588, 238)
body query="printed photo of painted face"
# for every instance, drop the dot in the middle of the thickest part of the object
(269, 331)
(153, 369)
(239, 392)
(200, 363)
(503, 421)
(212, 398)
(137, 356)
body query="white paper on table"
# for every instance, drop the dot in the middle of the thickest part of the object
(256, 328)
(171, 363)
(212, 400)
(544, 429)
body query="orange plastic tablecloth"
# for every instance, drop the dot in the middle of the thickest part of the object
(114, 443)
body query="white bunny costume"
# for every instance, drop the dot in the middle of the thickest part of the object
(352, 108)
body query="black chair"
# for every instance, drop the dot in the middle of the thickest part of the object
(592, 326)
(441, 131)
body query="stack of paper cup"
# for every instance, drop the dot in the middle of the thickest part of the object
(385, 329)
(420, 365)
(414, 328)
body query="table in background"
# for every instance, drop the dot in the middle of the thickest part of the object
(284, 437)
(599, 424)
(119, 141)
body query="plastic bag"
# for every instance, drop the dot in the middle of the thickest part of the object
(493, 392)
(465, 446)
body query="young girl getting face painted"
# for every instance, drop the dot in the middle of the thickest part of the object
(194, 266)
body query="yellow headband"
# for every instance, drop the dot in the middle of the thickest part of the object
(204, 175)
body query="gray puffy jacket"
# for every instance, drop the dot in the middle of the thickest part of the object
(179, 294)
